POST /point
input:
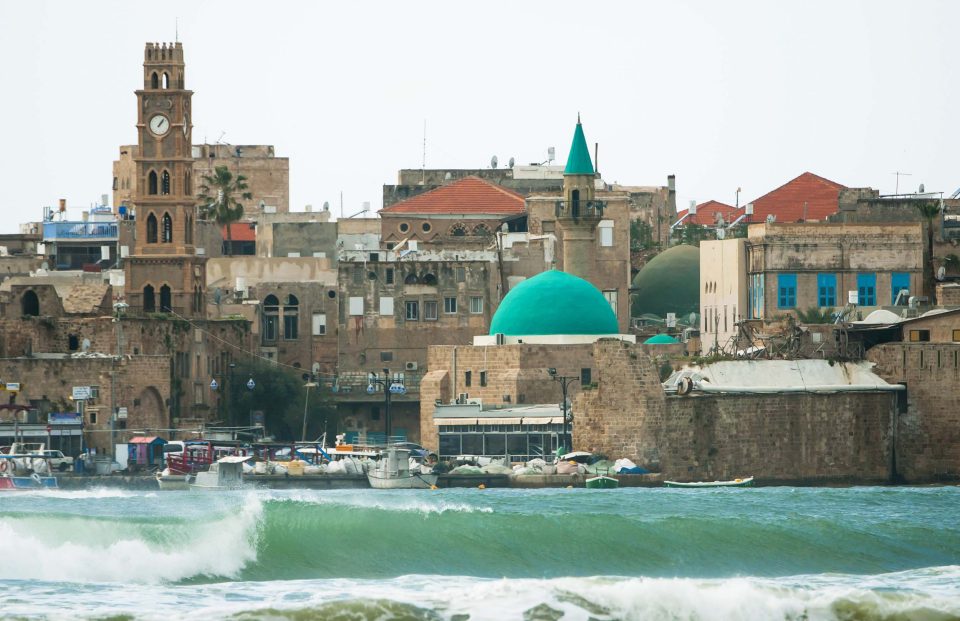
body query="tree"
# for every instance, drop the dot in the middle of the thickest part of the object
(641, 235)
(815, 315)
(929, 210)
(218, 199)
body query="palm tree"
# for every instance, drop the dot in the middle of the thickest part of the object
(218, 199)
(929, 211)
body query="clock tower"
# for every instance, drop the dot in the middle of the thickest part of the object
(164, 272)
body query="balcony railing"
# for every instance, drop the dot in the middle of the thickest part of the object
(79, 231)
(580, 209)
(356, 382)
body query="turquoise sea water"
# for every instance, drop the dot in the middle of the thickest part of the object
(763, 553)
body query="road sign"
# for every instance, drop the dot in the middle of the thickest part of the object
(82, 393)
(13, 386)
(122, 413)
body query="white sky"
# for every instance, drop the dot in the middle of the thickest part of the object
(723, 94)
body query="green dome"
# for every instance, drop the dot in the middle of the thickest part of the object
(554, 302)
(660, 339)
(669, 283)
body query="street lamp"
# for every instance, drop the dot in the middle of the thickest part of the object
(565, 380)
(390, 387)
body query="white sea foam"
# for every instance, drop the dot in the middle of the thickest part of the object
(91, 493)
(418, 501)
(97, 550)
(920, 594)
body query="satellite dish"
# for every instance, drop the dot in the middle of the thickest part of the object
(692, 319)
(551, 154)
(447, 177)
(326, 205)
(941, 272)
(511, 162)
(85, 346)
(921, 188)
(493, 162)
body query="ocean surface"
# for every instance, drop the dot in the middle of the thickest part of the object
(456, 554)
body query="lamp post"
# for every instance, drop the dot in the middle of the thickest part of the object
(390, 387)
(565, 380)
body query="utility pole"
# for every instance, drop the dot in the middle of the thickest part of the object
(565, 381)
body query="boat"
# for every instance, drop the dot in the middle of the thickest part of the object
(24, 472)
(602, 482)
(393, 471)
(747, 482)
(224, 474)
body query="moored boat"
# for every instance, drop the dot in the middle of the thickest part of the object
(747, 482)
(224, 474)
(393, 471)
(20, 472)
(602, 482)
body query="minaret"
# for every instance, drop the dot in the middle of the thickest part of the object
(578, 214)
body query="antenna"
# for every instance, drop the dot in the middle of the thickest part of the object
(423, 163)
(176, 29)
(493, 162)
(900, 174)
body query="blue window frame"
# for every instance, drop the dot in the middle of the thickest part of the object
(867, 289)
(786, 290)
(756, 296)
(899, 281)
(826, 290)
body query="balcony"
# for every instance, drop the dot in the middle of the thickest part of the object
(80, 231)
(580, 209)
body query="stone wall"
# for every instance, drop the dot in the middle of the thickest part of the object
(928, 433)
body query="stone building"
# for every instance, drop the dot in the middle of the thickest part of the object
(267, 175)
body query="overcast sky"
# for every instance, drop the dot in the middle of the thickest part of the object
(722, 94)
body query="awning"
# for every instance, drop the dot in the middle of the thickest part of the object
(454, 421)
(543, 421)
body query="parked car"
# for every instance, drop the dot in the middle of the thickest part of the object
(58, 461)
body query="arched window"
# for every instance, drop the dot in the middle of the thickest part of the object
(188, 231)
(166, 80)
(30, 304)
(271, 317)
(197, 299)
(149, 302)
(430, 279)
(154, 81)
(167, 231)
(166, 304)
(165, 183)
(151, 229)
(180, 80)
(291, 318)
(458, 230)
(575, 204)
(152, 182)
(481, 230)
(411, 279)
(186, 184)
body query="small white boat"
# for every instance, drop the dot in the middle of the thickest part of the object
(747, 482)
(224, 474)
(394, 471)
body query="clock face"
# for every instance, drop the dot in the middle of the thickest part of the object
(159, 125)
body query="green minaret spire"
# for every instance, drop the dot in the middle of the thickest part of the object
(579, 162)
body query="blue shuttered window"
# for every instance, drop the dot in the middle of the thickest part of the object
(826, 290)
(786, 290)
(898, 281)
(867, 289)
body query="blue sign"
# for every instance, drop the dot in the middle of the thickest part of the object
(64, 418)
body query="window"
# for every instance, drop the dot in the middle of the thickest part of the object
(606, 233)
(271, 318)
(404, 227)
(319, 324)
(386, 306)
(166, 304)
(413, 311)
(956, 337)
(149, 302)
(291, 318)
(611, 296)
(449, 305)
(386, 356)
(476, 304)
(467, 378)
(93, 417)
(920, 336)
(151, 229)
(756, 296)
(356, 306)
(388, 276)
(899, 281)
(154, 81)
(357, 274)
(458, 230)
(786, 290)
(152, 182)
(585, 376)
(375, 412)
(483, 378)
(198, 392)
(826, 290)
(165, 183)
(426, 227)
(430, 310)
(166, 231)
(430, 279)
(867, 289)
(461, 274)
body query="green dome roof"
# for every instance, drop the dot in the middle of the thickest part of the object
(660, 339)
(554, 302)
(669, 283)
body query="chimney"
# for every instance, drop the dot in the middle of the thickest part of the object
(672, 183)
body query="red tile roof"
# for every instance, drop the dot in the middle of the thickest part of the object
(470, 195)
(240, 231)
(707, 214)
(821, 197)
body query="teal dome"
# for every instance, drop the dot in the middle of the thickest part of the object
(660, 339)
(554, 302)
(669, 283)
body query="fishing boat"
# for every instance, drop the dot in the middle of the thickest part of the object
(602, 482)
(747, 482)
(393, 471)
(224, 474)
(22, 472)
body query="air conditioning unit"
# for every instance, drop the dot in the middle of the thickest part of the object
(501, 338)
(411, 366)
(462, 398)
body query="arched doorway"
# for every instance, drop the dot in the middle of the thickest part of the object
(148, 411)
(30, 304)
